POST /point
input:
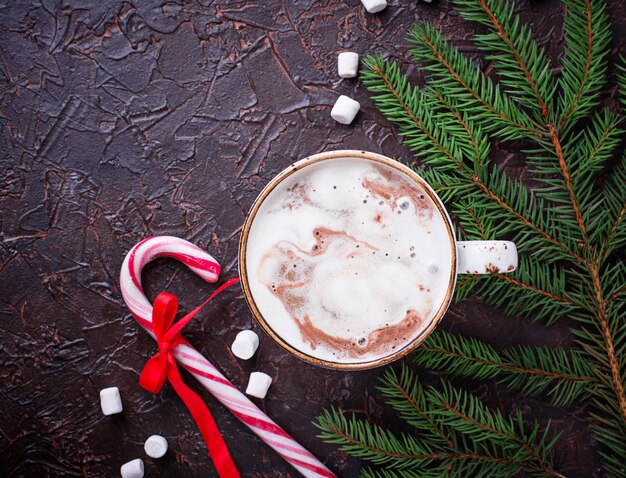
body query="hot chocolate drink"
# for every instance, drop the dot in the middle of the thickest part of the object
(349, 260)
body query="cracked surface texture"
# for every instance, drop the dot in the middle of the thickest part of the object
(124, 119)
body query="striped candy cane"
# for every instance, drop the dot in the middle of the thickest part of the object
(206, 267)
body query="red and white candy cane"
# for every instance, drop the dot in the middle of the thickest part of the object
(207, 267)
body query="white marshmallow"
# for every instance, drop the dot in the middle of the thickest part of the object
(345, 110)
(374, 6)
(245, 344)
(347, 64)
(155, 446)
(110, 401)
(258, 384)
(132, 469)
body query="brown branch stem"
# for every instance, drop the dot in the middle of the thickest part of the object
(597, 147)
(472, 278)
(554, 136)
(616, 377)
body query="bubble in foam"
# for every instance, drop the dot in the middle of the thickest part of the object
(404, 203)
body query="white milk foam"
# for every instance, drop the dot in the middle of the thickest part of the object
(348, 260)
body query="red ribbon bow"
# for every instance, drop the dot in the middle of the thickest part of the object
(163, 365)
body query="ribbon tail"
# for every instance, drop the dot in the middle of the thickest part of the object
(218, 451)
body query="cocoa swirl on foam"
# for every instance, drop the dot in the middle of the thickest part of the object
(391, 191)
(290, 282)
(348, 262)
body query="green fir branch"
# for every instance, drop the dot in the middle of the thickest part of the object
(465, 286)
(565, 377)
(466, 414)
(587, 152)
(536, 290)
(608, 425)
(383, 473)
(404, 393)
(587, 38)
(524, 217)
(522, 65)
(460, 81)
(434, 135)
(484, 442)
(371, 442)
(474, 224)
(591, 151)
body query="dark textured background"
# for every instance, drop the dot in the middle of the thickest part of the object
(120, 120)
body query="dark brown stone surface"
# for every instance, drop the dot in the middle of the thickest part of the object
(121, 120)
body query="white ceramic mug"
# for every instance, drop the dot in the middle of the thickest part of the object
(467, 257)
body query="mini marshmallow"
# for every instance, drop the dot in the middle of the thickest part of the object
(110, 401)
(132, 469)
(374, 6)
(347, 64)
(155, 446)
(345, 110)
(258, 384)
(245, 344)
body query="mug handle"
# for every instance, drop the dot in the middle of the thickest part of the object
(485, 257)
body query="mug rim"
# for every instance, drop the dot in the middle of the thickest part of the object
(314, 159)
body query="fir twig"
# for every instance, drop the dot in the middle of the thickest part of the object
(473, 440)
(537, 290)
(587, 36)
(462, 83)
(524, 68)
(531, 370)
(405, 394)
